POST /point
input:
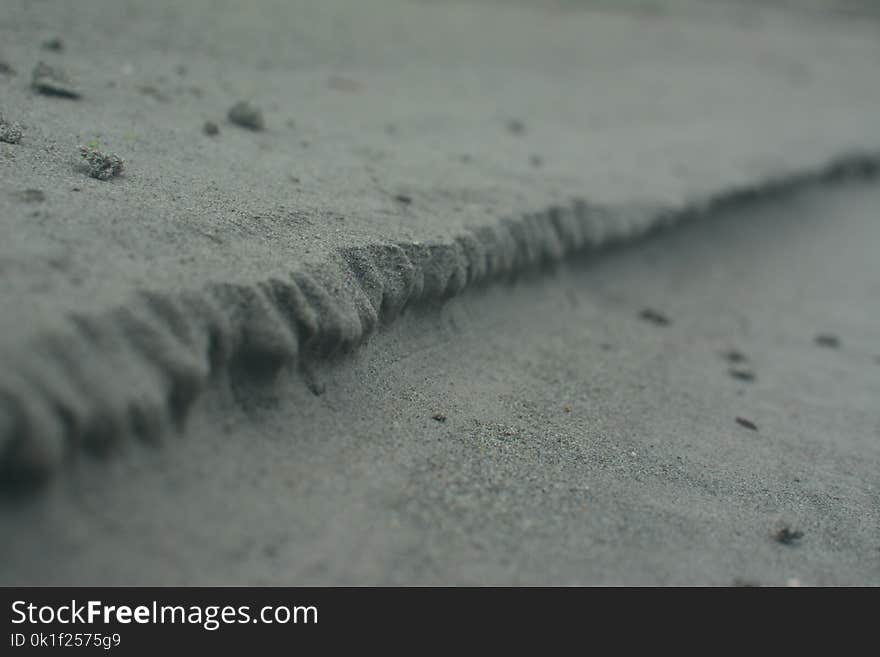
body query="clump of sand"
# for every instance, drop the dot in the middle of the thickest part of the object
(52, 81)
(10, 132)
(102, 166)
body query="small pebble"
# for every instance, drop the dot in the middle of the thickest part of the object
(246, 115)
(741, 374)
(55, 44)
(827, 340)
(655, 317)
(735, 356)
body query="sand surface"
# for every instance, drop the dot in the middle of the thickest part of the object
(399, 335)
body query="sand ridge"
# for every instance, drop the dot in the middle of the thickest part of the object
(165, 348)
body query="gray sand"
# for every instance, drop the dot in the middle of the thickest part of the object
(647, 479)
(197, 322)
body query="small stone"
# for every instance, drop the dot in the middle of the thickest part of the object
(55, 44)
(654, 317)
(741, 374)
(440, 417)
(828, 340)
(102, 166)
(211, 129)
(735, 356)
(246, 115)
(52, 81)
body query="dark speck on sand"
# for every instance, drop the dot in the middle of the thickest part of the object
(827, 340)
(440, 417)
(655, 317)
(741, 374)
(55, 44)
(246, 115)
(788, 536)
(403, 198)
(748, 424)
(735, 356)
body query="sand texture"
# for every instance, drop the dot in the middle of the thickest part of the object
(439, 292)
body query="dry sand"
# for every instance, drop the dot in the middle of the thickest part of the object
(186, 394)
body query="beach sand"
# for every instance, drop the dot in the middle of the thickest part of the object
(540, 293)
